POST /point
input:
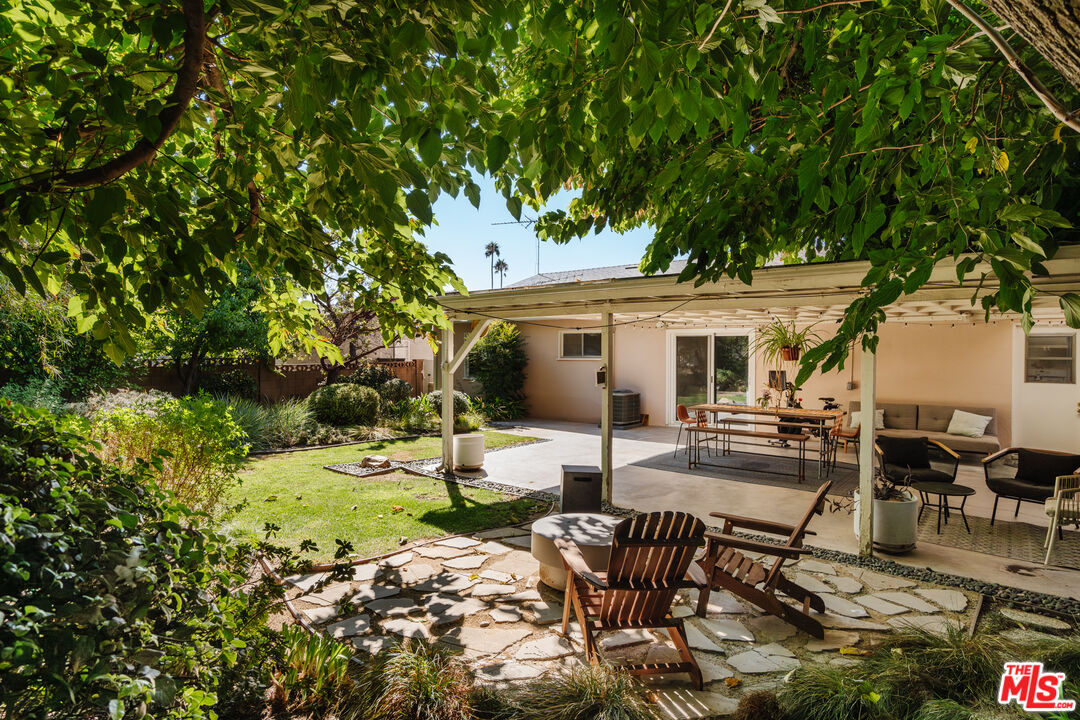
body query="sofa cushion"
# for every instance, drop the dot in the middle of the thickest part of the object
(937, 417)
(968, 424)
(855, 420)
(1011, 487)
(904, 452)
(899, 416)
(1043, 468)
(957, 443)
(906, 476)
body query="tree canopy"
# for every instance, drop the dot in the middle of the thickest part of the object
(148, 148)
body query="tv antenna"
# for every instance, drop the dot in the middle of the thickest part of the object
(526, 222)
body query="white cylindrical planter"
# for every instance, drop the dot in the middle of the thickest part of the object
(469, 451)
(896, 523)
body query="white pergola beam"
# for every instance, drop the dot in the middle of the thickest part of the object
(607, 406)
(868, 408)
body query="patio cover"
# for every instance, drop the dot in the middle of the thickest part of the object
(803, 293)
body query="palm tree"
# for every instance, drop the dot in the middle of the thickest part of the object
(492, 251)
(501, 267)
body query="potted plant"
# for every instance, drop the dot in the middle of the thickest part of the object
(896, 515)
(782, 342)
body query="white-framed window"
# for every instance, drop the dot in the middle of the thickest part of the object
(1050, 359)
(575, 345)
(466, 371)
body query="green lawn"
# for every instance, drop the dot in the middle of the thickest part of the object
(294, 492)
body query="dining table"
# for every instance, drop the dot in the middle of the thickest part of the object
(821, 421)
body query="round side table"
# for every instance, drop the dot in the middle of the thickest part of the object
(944, 491)
(591, 532)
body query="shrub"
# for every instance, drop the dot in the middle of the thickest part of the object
(122, 398)
(945, 710)
(395, 391)
(252, 419)
(313, 674)
(287, 423)
(470, 421)
(345, 404)
(462, 403)
(199, 443)
(114, 600)
(593, 692)
(503, 409)
(235, 383)
(417, 681)
(370, 375)
(415, 418)
(758, 705)
(498, 362)
(43, 394)
(826, 692)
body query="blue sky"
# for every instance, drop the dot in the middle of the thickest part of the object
(463, 231)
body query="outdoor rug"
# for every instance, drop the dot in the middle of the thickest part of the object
(1016, 540)
(759, 469)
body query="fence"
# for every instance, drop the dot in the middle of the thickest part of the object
(274, 383)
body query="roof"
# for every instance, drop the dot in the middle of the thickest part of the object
(610, 272)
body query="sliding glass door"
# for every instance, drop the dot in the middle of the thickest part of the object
(709, 366)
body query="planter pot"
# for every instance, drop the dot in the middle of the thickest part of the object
(469, 451)
(790, 353)
(896, 524)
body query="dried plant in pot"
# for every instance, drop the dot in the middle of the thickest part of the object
(896, 514)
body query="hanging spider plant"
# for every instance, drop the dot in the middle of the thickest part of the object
(781, 342)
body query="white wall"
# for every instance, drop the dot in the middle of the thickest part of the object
(1045, 415)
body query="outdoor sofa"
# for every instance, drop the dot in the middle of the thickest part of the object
(917, 420)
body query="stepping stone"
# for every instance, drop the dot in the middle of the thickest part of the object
(500, 532)
(437, 552)
(774, 649)
(492, 548)
(660, 653)
(840, 606)
(444, 609)
(358, 625)
(548, 647)
(368, 593)
(700, 641)
(842, 622)
(366, 573)
(458, 542)
(1040, 621)
(834, 640)
(878, 605)
(397, 560)
(524, 541)
(508, 671)
(412, 574)
(811, 583)
(682, 703)
(844, 584)
(1021, 636)
(374, 644)
(407, 628)
(951, 600)
(523, 596)
(817, 566)
(478, 642)
(878, 581)
(712, 671)
(682, 611)
(907, 600)
(394, 607)
(719, 602)
(936, 624)
(467, 562)
(306, 582)
(543, 613)
(506, 613)
(728, 630)
(321, 614)
(329, 595)
(445, 583)
(621, 638)
(519, 564)
(762, 660)
(496, 576)
(492, 590)
(771, 628)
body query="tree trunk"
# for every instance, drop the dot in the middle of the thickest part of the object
(1051, 26)
(333, 373)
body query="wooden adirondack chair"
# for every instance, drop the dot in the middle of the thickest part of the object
(753, 581)
(651, 559)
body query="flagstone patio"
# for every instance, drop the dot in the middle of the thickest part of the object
(486, 601)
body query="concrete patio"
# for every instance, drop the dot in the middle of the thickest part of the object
(536, 467)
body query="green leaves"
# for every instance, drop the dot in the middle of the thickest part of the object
(419, 205)
(430, 146)
(1070, 304)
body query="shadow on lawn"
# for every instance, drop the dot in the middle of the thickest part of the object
(466, 514)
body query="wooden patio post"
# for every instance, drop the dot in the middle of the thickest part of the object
(868, 408)
(607, 357)
(446, 388)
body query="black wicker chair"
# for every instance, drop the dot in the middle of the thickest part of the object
(1026, 475)
(912, 460)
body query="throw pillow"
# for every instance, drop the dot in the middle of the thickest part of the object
(1043, 468)
(855, 419)
(968, 424)
(904, 452)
